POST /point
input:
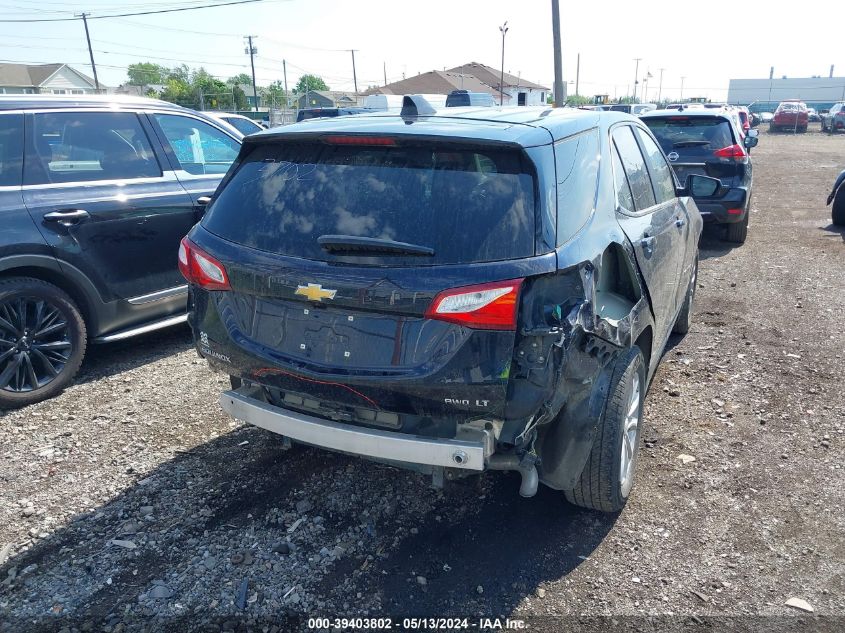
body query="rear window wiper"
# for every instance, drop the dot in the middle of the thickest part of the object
(690, 143)
(354, 243)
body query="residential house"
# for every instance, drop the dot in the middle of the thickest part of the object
(57, 79)
(517, 91)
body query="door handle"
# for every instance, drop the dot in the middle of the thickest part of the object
(680, 222)
(67, 217)
(203, 201)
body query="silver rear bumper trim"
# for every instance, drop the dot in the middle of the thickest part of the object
(386, 445)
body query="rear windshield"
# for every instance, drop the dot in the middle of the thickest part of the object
(468, 205)
(691, 135)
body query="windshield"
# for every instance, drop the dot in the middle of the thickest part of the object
(691, 135)
(466, 205)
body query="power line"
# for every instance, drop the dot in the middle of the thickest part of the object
(152, 12)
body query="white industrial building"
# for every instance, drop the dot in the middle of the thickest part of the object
(815, 91)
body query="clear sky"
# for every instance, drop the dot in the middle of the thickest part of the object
(707, 43)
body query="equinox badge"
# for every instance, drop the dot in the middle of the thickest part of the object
(315, 292)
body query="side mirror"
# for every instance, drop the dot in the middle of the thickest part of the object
(751, 141)
(701, 186)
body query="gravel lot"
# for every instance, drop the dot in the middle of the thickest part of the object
(132, 503)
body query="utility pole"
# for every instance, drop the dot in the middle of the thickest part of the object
(577, 74)
(682, 89)
(354, 76)
(285, 73)
(558, 88)
(636, 76)
(385, 72)
(660, 87)
(504, 30)
(252, 51)
(84, 17)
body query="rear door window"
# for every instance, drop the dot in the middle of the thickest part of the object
(661, 174)
(635, 167)
(623, 189)
(11, 149)
(200, 148)
(468, 205)
(691, 137)
(88, 146)
(577, 166)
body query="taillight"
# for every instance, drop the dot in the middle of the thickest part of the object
(200, 268)
(382, 141)
(485, 306)
(734, 151)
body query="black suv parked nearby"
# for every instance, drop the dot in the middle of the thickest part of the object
(95, 194)
(707, 142)
(478, 288)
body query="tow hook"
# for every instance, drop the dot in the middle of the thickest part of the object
(527, 468)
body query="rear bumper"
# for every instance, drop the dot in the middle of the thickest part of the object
(383, 445)
(717, 211)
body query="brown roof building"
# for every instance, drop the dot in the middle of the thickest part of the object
(435, 82)
(474, 77)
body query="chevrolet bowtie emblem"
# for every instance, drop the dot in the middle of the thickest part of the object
(315, 292)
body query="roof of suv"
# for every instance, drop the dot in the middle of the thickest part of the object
(33, 102)
(691, 112)
(526, 126)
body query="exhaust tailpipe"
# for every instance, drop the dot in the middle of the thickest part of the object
(526, 468)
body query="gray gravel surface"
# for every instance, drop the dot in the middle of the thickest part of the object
(132, 503)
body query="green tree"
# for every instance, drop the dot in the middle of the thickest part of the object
(276, 94)
(146, 73)
(243, 78)
(241, 102)
(578, 100)
(210, 92)
(310, 82)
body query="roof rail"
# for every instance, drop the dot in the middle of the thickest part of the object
(416, 105)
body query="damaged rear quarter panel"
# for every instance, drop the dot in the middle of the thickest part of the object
(573, 326)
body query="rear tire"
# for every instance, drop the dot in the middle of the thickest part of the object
(606, 480)
(738, 231)
(684, 320)
(838, 209)
(42, 341)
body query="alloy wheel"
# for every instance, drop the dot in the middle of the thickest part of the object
(630, 434)
(35, 343)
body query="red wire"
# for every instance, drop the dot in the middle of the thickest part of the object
(270, 370)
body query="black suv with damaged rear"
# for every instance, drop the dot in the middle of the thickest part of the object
(453, 291)
(708, 142)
